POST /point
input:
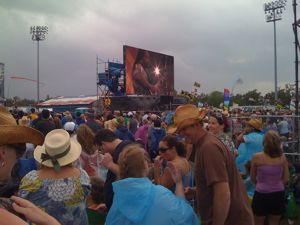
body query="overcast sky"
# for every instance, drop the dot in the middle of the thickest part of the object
(214, 42)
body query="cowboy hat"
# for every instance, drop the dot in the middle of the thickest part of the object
(58, 150)
(11, 133)
(255, 123)
(186, 115)
(67, 113)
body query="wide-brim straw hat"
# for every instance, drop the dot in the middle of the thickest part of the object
(11, 133)
(255, 123)
(186, 115)
(58, 146)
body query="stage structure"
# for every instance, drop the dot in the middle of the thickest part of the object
(2, 95)
(144, 82)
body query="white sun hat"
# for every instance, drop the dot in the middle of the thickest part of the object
(58, 150)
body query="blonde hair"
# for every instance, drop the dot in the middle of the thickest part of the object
(272, 144)
(86, 138)
(132, 161)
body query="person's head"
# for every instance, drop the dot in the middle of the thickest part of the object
(70, 127)
(69, 118)
(90, 114)
(45, 114)
(133, 162)
(9, 154)
(110, 116)
(24, 121)
(97, 190)
(111, 124)
(157, 123)
(58, 150)
(217, 123)
(143, 57)
(254, 125)
(187, 120)
(121, 121)
(106, 140)
(78, 114)
(170, 147)
(86, 138)
(12, 141)
(130, 114)
(145, 121)
(67, 113)
(272, 144)
(20, 114)
(32, 110)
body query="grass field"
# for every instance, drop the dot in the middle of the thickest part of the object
(285, 221)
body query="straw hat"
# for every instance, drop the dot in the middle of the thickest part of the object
(58, 150)
(255, 123)
(67, 113)
(11, 133)
(186, 115)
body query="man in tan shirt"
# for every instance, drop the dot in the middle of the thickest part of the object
(221, 195)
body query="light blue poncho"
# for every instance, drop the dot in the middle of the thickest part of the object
(137, 201)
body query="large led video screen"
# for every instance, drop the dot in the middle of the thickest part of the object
(147, 72)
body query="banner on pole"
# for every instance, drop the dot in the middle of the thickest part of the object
(226, 98)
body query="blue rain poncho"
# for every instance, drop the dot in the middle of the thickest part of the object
(137, 201)
(253, 144)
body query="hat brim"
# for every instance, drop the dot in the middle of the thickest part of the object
(255, 127)
(173, 128)
(186, 123)
(14, 134)
(73, 155)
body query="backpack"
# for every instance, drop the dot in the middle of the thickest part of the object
(156, 134)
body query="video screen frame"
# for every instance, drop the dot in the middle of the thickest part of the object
(148, 72)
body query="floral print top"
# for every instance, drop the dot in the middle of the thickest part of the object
(63, 198)
(228, 142)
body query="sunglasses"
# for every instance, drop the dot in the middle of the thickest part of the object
(163, 149)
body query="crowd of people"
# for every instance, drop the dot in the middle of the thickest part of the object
(188, 166)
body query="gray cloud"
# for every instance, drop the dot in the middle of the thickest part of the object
(213, 42)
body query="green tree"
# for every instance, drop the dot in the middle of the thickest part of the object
(238, 99)
(47, 97)
(17, 101)
(253, 98)
(215, 98)
(284, 97)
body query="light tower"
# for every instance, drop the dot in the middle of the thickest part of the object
(274, 10)
(38, 34)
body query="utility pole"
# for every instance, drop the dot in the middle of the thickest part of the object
(295, 29)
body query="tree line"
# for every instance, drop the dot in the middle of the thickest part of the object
(214, 98)
(253, 97)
